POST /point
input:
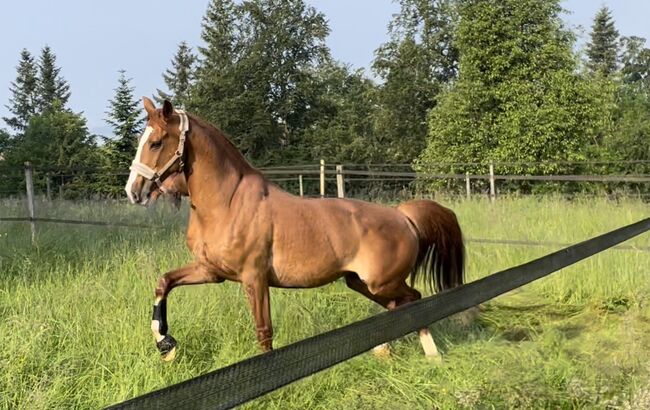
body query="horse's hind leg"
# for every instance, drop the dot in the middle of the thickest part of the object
(406, 295)
(189, 275)
(355, 283)
(391, 298)
(428, 345)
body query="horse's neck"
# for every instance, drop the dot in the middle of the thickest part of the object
(215, 170)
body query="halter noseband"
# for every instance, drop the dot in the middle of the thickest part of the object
(156, 176)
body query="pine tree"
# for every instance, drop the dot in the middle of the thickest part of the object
(5, 143)
(603, 48)
(180, 77)
(52, 86)
(219, 31)
(23, 104)
(213, 95)
(415, 64)
(124, 117)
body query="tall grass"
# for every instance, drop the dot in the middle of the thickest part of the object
(75, 311)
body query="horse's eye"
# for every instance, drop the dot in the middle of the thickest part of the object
(155, 144)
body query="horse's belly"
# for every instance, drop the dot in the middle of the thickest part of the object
(296, 270)
(302, 278)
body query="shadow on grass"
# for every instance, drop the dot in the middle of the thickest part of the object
(512, 323)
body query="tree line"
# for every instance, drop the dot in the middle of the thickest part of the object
(459, 82)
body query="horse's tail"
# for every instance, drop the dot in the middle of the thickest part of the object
(441, 257)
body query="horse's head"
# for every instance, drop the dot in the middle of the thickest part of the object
(159, 158)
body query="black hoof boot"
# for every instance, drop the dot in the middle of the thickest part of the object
(167, 348)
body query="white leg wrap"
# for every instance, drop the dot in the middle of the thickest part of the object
(155, 325)
(155, 328)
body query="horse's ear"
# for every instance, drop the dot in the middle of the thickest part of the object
(167, 110)
(149, 107)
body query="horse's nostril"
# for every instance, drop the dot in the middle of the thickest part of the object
(136, 197)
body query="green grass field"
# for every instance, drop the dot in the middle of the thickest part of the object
(75, 312)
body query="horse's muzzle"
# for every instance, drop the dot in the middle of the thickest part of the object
(140, 192)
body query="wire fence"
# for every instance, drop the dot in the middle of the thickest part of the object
(109, 224)
(313, 182)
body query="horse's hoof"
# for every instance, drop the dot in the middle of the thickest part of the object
(435, 358)
(167, 348)
(382, 351)
(170, 356)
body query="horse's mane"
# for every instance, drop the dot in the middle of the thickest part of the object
(218, 137)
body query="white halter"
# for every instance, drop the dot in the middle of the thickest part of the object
(155, 176)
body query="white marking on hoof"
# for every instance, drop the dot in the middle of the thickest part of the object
(429, 346)
(171, 355)
(383, 350)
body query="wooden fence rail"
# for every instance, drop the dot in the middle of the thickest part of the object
(346, 173)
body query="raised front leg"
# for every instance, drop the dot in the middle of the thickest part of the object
(257, 291)
(193, 274)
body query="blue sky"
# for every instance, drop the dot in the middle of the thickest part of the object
(94, 39)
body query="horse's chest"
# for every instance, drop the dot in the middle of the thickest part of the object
(217, 262)
(227, 257)
(234, 245)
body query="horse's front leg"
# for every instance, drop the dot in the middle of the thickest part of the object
(257, 291)
(192, 274)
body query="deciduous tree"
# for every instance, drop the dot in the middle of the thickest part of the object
(344, 130)
(256, 77)
(415, 65)
(519, 97)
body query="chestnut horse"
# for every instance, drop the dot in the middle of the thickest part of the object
(244, 228)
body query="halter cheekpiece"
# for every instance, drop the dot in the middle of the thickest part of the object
(156, 176)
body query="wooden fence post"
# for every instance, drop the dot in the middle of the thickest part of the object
(29, 182)
(322, 178)
(493, 194)
(468, 188)
(302, 191)
(48, 182)
(340, 183)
